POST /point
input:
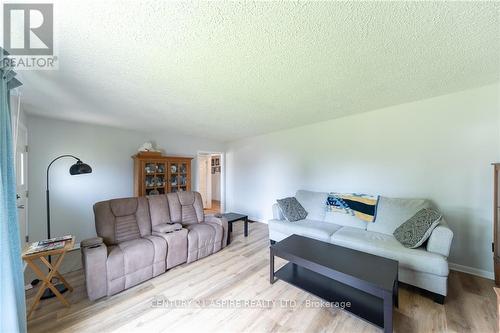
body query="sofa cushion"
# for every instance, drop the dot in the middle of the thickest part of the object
(414, 232)
(314, 203)
(177, 244)
(392, 212)
(130, 256)
(202, 239)
(160, 253)
(120, 220)
(291, 209)
(388, 247)
(114, 263)
(309, 228)
(174, 207)
(185, 207)
(158, 209)
(123, 207)
(219, 235)
(345, 220)
(126, 228)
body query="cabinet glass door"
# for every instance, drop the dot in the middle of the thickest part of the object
(182, 176)
(178, 176)
(154, 177)
(149, 168)
(173, 180)
(160, 168)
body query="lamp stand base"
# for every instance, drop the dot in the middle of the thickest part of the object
(49, 294)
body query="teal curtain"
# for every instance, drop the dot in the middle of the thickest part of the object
(12, 302)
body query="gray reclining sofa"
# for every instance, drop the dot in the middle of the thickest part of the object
(140, 238)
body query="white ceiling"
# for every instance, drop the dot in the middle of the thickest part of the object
(230, 70)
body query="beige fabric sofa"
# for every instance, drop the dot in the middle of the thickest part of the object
(425, 267)
(140, 238)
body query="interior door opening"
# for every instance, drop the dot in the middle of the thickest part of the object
(21, 160)
(211, 181)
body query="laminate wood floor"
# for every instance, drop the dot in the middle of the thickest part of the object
(240, 273)
(215, 209)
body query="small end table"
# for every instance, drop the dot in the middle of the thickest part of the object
(53, 271)
(233, 217)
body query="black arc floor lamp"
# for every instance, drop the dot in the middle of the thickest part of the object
(78, 168)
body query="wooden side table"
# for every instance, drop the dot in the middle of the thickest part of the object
(53, 271)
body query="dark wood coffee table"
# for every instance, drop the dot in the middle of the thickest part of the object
(233, 217)
(339, 274)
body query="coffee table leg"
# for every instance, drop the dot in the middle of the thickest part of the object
(388, 308)
(271, 265)
(246, 227)
(395, 292)
(229, 231)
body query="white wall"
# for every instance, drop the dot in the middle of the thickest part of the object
(16, 112)
(439, 148)
(108, 151)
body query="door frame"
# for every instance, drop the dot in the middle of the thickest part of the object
(22, 127)
(205, 179)
(222, 175)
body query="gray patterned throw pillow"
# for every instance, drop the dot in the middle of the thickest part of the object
(291, 209)
(418, 228)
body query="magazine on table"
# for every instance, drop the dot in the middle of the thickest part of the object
(48, 244)
(35, 247)
(55, 240)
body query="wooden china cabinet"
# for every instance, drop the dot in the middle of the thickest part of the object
(155, 173)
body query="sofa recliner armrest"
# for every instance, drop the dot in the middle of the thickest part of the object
(165, 228)
(277, 215)
(440, 240)
(222, 221)
(94, 258)
(91, 242)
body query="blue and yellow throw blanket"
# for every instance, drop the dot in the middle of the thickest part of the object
(362, 206)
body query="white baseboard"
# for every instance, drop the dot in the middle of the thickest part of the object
(472, 270)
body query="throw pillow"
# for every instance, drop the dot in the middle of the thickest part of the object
(415, 231)
(291, 209)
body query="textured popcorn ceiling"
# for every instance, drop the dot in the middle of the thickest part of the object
(229, 70)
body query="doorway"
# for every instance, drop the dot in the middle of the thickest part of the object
(21, 160)
(210, 181)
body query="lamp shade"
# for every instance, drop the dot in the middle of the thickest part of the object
(79, 168)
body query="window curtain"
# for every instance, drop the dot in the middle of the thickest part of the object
(12, 302)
